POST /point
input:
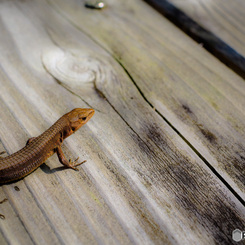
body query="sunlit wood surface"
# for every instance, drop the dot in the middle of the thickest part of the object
(164, 150)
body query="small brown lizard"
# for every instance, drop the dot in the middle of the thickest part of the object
(39, 149)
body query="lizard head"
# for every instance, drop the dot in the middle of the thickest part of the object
(78, 117)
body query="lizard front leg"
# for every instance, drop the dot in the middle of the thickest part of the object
(65, 162)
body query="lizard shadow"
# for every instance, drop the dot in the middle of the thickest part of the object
(47, 170)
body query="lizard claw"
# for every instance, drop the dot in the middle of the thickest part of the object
(74, 164)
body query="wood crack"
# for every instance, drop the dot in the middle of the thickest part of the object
(214, 171)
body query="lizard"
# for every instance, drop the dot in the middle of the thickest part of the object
(39, 149)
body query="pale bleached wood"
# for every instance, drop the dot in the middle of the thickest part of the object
(71, 225)
(22, 202)
(141, 184)
(198, 95)
(223, 18)
(11, 228)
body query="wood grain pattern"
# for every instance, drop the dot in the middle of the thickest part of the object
(224, 18)
(215, 125)
(142, 183)
(204, 36)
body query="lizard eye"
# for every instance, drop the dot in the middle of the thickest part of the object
(73, 128)
(84, 118)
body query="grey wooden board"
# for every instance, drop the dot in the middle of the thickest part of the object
(224, 18)
(173, 75)
(142, 184)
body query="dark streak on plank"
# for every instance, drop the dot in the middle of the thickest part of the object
(210, 42)
(180, 178)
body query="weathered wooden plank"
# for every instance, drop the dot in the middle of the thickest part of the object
(211, 42)
(197, 95)
(142, 183)
(224, 18)
(104, 226)
(61, 213)
(20, 199)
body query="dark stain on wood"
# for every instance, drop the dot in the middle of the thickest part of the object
(208, 135)
(194, 189)
(200, 200)
(154, 133)
(234, 165)
(187, 109)
(205, 132)
(220, 219)
(183, 177)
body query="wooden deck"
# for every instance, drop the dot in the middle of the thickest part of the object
(165, 149)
